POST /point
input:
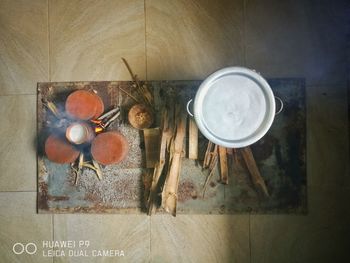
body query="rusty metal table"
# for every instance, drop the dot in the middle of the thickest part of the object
(280, 156)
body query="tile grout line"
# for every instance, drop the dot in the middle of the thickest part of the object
(53, 232)
(150, 238)
(53, 226)
(244, 33)
(145, 31)
(30, 191)
(20, 94)
(48, 40)
(49, 78)
(144, 12)
(250, 241)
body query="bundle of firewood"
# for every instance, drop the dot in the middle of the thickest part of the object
(171, 152)
(216, 154)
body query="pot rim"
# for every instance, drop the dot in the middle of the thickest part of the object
(263, 128)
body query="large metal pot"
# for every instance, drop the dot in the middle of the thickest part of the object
(234, 107)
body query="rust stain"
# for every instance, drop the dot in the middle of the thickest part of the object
(57, 198)
(93, 197)
(187, 190)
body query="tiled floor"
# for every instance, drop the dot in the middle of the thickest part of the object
(128, 233)
(64, 40)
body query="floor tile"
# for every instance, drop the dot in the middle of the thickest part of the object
(327, 136)
(320, 236)
(328, 205)
(23, 46)
(200, 238)
(21, 224)
(191, 39)
(88, 39)
(18, 143)
(129, 233)
(286, 238)
(297, 39)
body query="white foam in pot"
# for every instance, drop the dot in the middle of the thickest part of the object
(77, 133)
(234, 107)
(240, 104)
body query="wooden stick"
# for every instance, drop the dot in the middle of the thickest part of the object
(52, 107)
(85, 164)
(130, 71)
(111, 120)
(235, 158)
(147, 181)
(192, 140)
(169, 194)
(131, 96)
(158, 169)
(80, 167)
(109, 113)
(257, 179)
(151, 138)
(142, 90)
(98, 169)
(211, 172)
(223, 165)
(214, 156)
(230, 161)
(147, 94)
(207, 155)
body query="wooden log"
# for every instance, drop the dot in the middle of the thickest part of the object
(230, 162)
(235, 157)
(192, 140)
(169, 194)
(257, 179)
(223, 165)
(211, 163)
(151, 137)
(98, 169)
(213, 158)
(143, 90)
(207, 156)
(165, 138)
(52, 107)
(147, 181)
(229, 151)
(80, 167)
(211, 173)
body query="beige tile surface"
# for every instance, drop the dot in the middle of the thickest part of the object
(297, 39)
(327, 137)
(23, 46)
(297, 239)
(17, 143)
(328, 205)
(191, 39)
(129, 233)
(288, 238)
(88, 39)
(200, 238)
(20, 223)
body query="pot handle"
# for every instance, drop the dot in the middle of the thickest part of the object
(281, 103)
(188, 107)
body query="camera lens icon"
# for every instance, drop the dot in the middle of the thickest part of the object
(20, 248)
